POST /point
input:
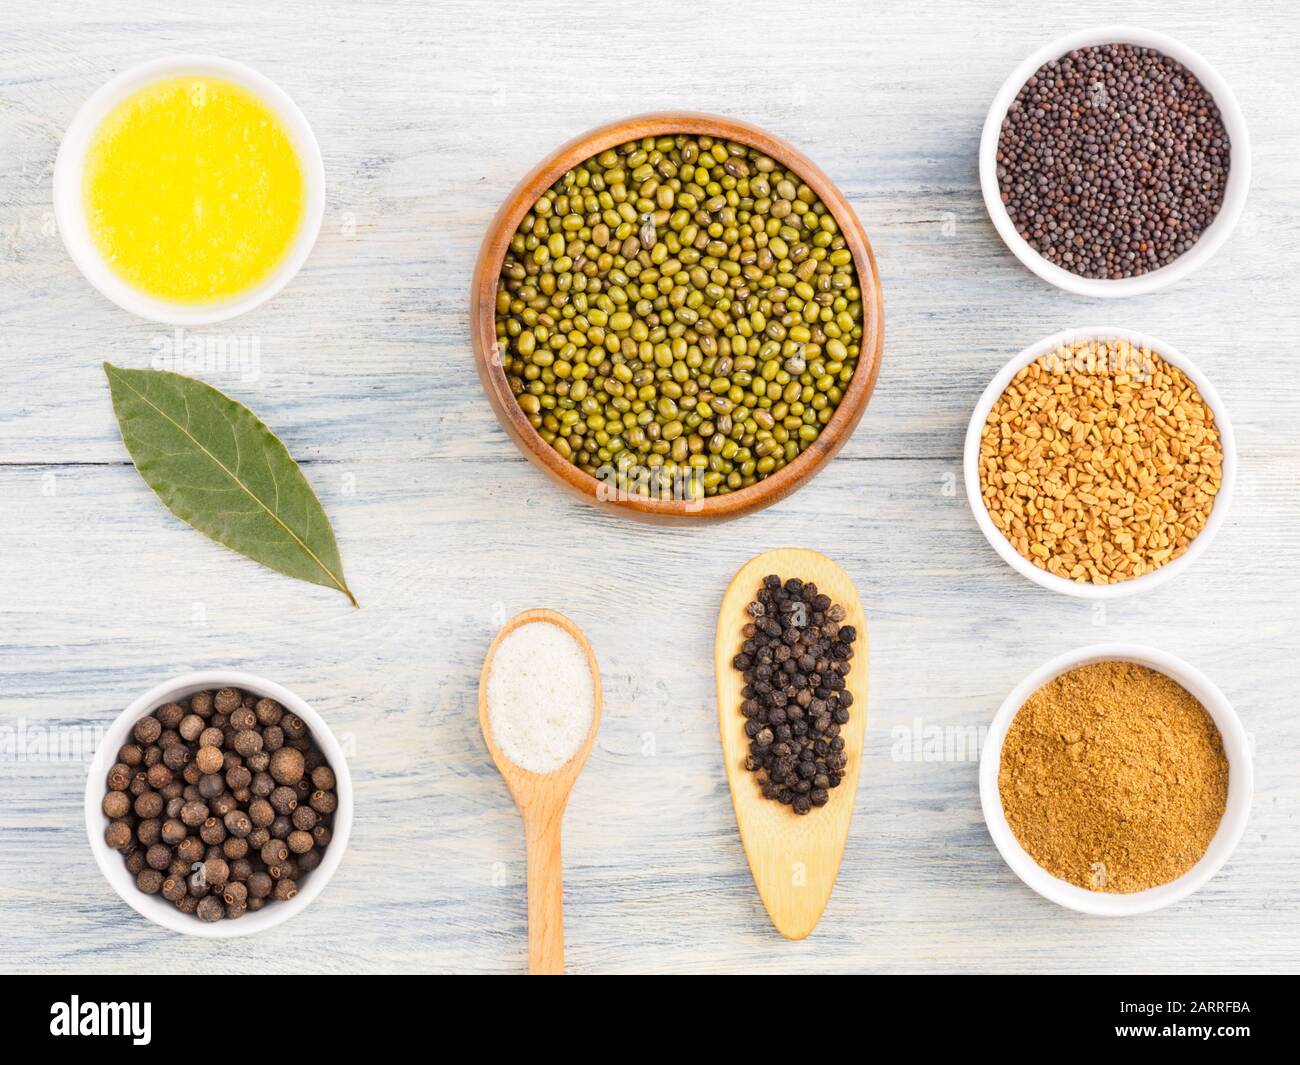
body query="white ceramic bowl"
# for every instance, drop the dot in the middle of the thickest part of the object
(1210, 241)
(1236, 747)
(69, 209)
(155, 907)
(1013, 558)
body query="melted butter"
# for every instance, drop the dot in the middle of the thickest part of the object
(193, 191)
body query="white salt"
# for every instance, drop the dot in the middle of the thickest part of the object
(541, 697)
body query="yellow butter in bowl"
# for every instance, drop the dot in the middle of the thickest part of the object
(193, 190)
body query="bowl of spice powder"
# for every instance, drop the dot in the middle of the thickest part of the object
(1116, 779)
(1100, 462)
(1114, 161)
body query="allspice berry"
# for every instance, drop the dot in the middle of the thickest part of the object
(169, 715)
(148, 804)
(284, 800)
(208, 759)
(287, 766)
(118, 835)
(149, 881)
(147, 730)
(247, 743)
(220, 803)
(242, 719)
(189, 850)
(119, 777)
(116, 804)
(212, 832)
(275, 852)
(227, 700)
(300, 842)
(216, 872)
(210, 909)
(261, 813)
(324, 802)
(238, 823)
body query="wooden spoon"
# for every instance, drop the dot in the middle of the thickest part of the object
(541, 798)
(794, 857)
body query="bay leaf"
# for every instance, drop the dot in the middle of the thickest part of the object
(217, 467)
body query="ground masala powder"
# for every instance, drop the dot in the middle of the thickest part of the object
(1113, 777)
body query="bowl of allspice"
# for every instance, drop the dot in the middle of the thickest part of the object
(1099, 462)
(218, 804)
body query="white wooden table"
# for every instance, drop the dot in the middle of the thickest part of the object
(427, 115)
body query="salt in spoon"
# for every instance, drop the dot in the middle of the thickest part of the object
(541, 798)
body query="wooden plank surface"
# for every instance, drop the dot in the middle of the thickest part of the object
(427, 115)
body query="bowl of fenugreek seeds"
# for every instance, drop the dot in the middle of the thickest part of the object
(1099, 462)
(1116, 779)
(677, 316)
(218, 804)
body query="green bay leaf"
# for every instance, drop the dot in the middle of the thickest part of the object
(217, 467)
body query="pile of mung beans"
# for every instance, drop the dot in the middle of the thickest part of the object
(682, 306)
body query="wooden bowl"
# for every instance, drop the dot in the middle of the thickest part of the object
(483, 319)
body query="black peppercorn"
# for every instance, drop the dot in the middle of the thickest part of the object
(792, 661)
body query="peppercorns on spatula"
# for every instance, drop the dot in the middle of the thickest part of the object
(790, 658)
(794, 660)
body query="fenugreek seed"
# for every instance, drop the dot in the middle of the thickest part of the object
(1080, 456)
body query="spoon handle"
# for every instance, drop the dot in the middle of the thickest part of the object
(545, 894)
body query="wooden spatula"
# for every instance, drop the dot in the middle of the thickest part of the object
(794, 858)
